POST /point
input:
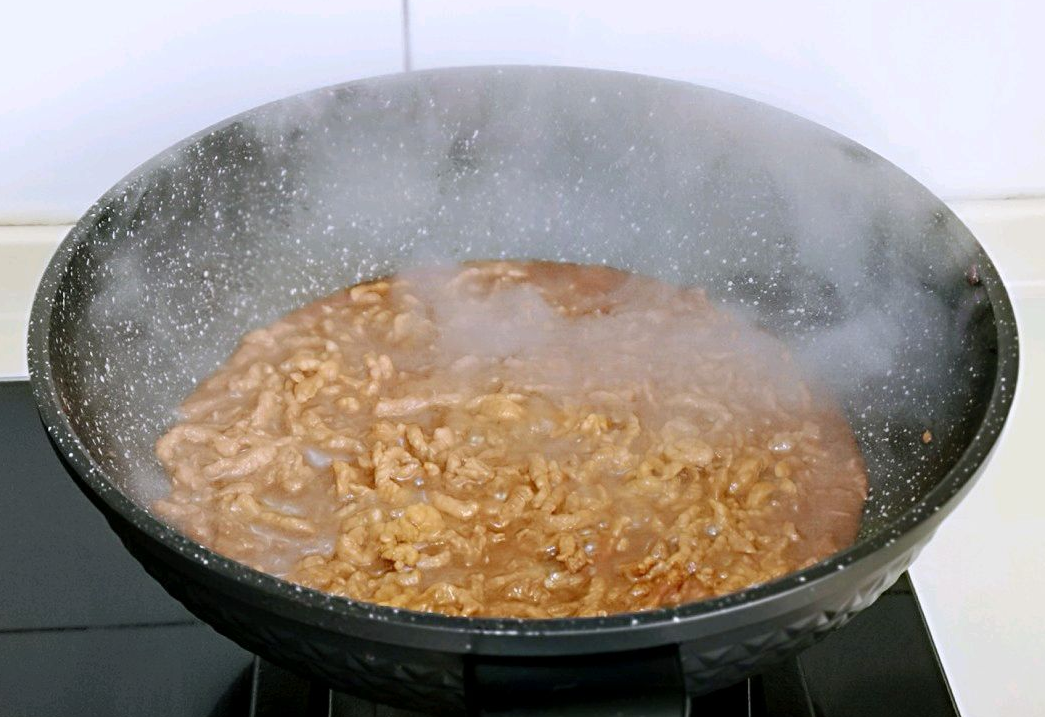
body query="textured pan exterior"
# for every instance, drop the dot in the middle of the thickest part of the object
(851, 262)
(435, 681)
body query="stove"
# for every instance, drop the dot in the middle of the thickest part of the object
(84, 631)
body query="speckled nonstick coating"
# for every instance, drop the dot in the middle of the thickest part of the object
(869, 278)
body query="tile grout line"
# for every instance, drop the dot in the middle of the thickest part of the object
(407, 53)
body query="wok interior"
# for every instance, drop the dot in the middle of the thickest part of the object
(848, 260)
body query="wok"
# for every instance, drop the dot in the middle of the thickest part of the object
(870, 279)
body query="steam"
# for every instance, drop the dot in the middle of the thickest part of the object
(584, 331)
(511, 322)
(848, 262)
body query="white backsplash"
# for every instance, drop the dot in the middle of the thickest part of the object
(90, 90)
(943, 88)
(947, 89)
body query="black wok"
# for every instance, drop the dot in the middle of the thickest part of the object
(871, 280)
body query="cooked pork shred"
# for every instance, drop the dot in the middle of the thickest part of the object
(524, 439)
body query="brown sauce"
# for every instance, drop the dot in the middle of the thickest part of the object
(514, 439)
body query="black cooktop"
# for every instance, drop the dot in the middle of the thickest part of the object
(84, 631)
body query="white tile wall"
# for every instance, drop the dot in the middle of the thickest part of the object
(89, 90)
(947, 89)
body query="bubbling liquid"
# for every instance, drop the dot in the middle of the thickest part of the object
(527, 439)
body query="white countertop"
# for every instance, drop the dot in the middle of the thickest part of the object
(981, 580)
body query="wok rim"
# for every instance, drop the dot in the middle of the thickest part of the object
(521, 633)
